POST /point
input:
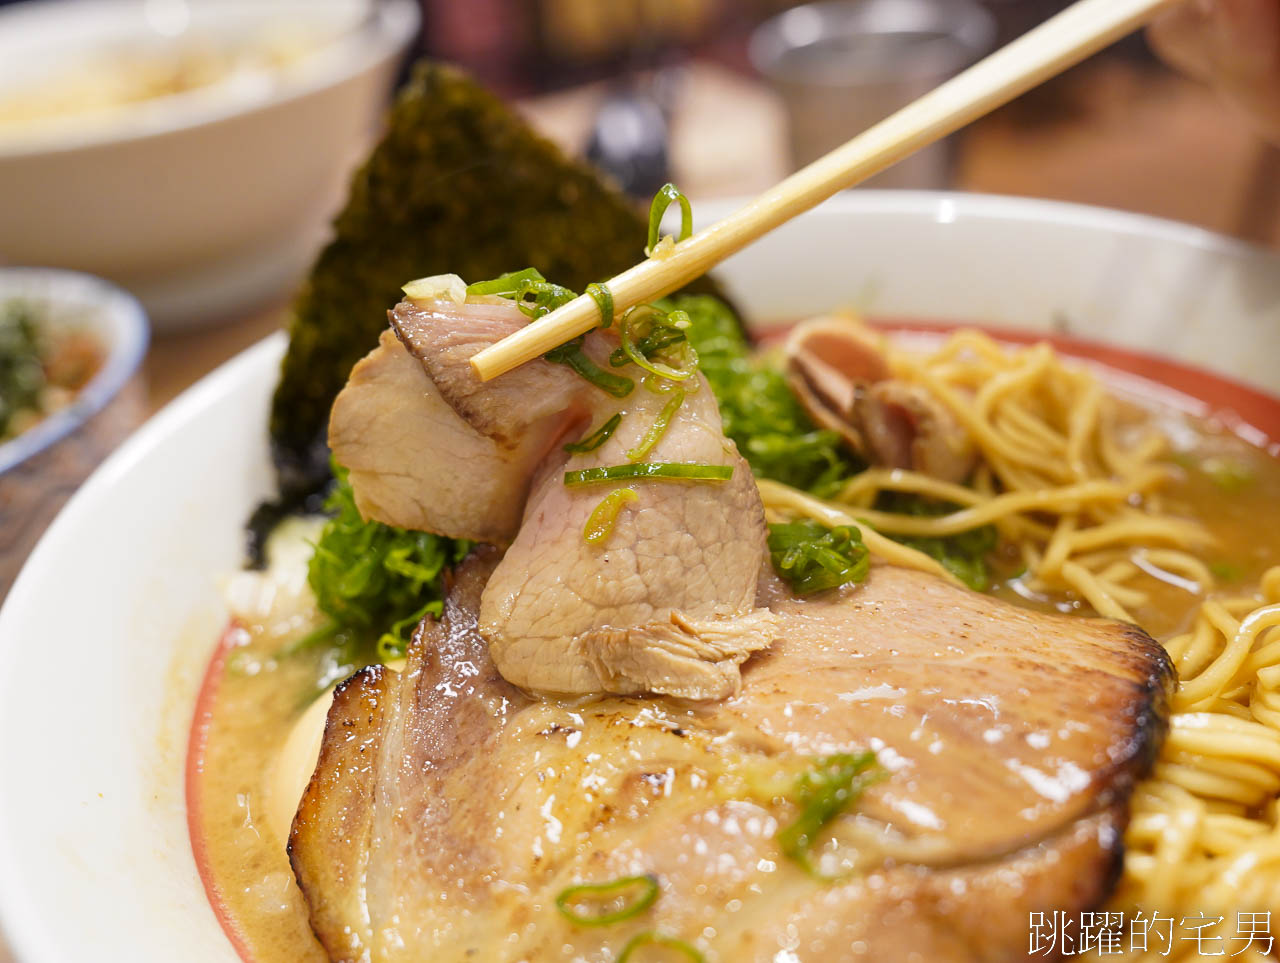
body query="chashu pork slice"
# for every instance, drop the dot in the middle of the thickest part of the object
(665, 604)
(448, 810)
(415, 463)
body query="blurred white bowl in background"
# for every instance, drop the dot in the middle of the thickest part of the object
(205, 200)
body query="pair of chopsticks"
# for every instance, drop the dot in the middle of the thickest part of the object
(1060, 42)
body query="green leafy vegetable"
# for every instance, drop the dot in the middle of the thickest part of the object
(760, 413)
(653, 938)
(964, 555)
(813, 557)
(22, 377)
(667, 194)
(598, 437)
(374, 581)
(605, 903)
(672, 470)
(824, 791)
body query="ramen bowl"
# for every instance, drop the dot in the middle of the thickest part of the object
(106, 635)
(189, 150)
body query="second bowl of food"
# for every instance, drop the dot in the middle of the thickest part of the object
(915, 639)
(190, 151)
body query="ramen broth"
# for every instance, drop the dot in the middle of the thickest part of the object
(252, 699)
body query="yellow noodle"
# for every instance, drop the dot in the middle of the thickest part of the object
(1076, 492)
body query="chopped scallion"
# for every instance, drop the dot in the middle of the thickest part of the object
(667, 194)
(506, 285)
(813, 557)
(534, 294)
(669, 470)
(824, 791)
(652, 938)
(605, 515)
(649, 340)
(601, 898)
(658, 428)
(603, 298)
(598, 437)
(571, 354)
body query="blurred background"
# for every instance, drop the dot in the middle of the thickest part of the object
(722, 96)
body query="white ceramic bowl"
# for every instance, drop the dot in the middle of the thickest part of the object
(106, 632)
(204, 201)
(42, 466)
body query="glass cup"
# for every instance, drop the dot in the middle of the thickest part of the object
(842, 66)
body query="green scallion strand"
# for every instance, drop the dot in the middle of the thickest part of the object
(658, 428)
(605, 515)
(573, 356)
(824, 791)
(675, 471)
(644, 889)
(667, 194)
(603, 298)
(652, 938)
(597, 438)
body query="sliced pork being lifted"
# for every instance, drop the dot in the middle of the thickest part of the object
(455, 801)
(668, 605)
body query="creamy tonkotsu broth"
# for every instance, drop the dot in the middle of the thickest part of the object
(249, 744)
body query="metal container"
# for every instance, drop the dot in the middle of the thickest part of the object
(842, 66)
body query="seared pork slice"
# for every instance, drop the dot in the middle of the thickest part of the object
(839, 372)
(444, 335)
(1009, 741)
(666, 604)
(416, 464)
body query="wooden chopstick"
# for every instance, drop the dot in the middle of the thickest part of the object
(1060, 42)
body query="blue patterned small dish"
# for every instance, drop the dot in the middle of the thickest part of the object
(42, 466)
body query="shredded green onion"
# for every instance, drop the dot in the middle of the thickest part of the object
(661, 201)
(674, 470)
(603, 298)
(645, 890)
(824, 791)
(597, 438)
(534, 294)
(813, 557)
(605, 515)
(652, 938)
(505, 285)
(571, 354)
(658, 428)
(650, 340)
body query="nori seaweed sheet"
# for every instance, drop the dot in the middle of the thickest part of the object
(459, 184)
